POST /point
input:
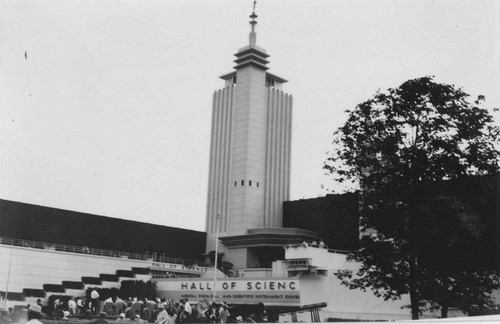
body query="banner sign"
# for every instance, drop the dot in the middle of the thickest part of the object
(283, 292)
(178, 267)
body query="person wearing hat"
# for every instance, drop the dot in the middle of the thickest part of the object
(121, 317)
(162, 317)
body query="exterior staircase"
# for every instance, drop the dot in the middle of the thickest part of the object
(34, 277)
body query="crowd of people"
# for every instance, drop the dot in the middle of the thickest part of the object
(320, 245)
(116, 309)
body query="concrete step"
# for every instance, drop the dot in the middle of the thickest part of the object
(54, 288)
(72, 284)
(35, 293)
(125, 273)
(141, 271)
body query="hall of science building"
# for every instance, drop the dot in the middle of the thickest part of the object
(46, 251)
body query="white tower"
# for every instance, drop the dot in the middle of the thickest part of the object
(249, 175)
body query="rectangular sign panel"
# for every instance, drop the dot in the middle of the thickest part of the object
(285, 292)
(178, 267)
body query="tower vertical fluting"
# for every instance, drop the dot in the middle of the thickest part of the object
(249, 173)
(278, 151)
(220, 159)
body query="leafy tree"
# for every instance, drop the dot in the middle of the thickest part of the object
(458, 247)
(398, 147)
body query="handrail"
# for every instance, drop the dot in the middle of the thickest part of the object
(315, 245)
(96, 251)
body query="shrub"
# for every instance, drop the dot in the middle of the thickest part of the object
(137, 288)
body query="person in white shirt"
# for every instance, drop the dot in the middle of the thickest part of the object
(72, 306)
(187, 306)
(79, 305)
(186, 311)
(162, 317)
(94, 296)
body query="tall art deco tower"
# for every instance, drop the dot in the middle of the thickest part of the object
(249, 173)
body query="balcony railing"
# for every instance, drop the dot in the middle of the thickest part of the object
(315, 245)
(157, 257)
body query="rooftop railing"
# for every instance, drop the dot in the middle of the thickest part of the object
(315, 245)
(156, 257)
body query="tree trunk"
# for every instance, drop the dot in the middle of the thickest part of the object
(414, 298)
(444, 302)
(413, 238)
(444, 311)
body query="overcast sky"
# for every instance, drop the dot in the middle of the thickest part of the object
(105, 106)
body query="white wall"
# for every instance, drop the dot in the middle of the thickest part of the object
(342, 302)
(356, 304)
(31, 268)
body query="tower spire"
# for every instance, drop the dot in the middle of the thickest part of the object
(253, 35)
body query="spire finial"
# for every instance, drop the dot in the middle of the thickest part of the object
(253, 35)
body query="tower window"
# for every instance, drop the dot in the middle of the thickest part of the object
(270, 83)
(273, 83)
(235, 183)
(250, 183)
(257, 185)
(242, 182)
